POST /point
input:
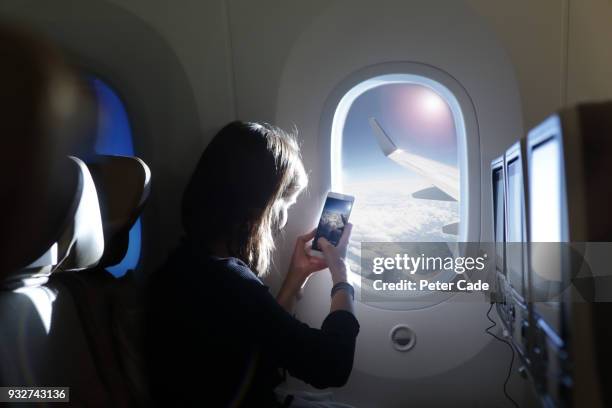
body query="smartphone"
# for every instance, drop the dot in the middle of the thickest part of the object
(334, 217)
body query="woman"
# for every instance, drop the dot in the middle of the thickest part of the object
(218, 337)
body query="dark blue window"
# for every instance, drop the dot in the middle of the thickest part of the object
(114, 137)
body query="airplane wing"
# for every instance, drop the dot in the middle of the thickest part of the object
(445, 178)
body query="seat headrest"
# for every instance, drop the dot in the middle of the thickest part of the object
(71, 237)
(123, 185)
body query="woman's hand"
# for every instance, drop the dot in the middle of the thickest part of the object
(302, 264)
(336, 255)
(301, 267)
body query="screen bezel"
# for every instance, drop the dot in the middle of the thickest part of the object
(514, 154)
(339, 196)
(497, 165)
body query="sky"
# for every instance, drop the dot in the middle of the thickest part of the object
(415, 117)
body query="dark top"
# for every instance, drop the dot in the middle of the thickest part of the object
(217, 337)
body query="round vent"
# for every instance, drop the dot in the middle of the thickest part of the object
(403, 338)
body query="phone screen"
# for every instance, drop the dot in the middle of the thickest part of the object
(334, 217)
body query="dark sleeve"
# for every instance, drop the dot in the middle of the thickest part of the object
(321, 357)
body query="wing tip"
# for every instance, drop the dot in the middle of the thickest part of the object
(384, 141)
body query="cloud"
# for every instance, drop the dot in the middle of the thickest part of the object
(386, 212)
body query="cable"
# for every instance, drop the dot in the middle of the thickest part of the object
(511, 360)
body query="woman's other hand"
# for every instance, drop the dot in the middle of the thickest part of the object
(336, 255)
(302, 264)
(301, 267)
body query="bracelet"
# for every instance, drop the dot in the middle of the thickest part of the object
(343, 285)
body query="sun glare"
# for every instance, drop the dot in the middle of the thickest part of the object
(431, 103)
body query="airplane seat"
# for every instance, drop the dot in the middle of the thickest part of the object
(38, 323)
(50, 218)
(110, 309)
(72, 234)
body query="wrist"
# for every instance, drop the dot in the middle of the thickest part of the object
(339, 273)
(339, 277)
(293, 283)
(288, 294)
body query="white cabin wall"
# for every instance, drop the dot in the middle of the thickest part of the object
(590, 50)
(560, 50)
(198, 33)
(262, 34)
(532, 33)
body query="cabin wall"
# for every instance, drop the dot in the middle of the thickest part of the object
(199, 34)
(590, 50)
(560, 50)
(532, 33)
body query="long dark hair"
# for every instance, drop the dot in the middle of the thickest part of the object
(235, 193)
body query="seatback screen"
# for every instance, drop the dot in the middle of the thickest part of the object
(546, 203)
(545, 192)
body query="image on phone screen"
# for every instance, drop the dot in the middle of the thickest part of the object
(334, 217)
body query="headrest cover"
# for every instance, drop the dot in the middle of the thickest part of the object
(123, 185)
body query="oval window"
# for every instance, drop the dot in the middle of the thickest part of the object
(397, 142)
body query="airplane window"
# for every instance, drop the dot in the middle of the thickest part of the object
(399, 158)
(114, 137)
